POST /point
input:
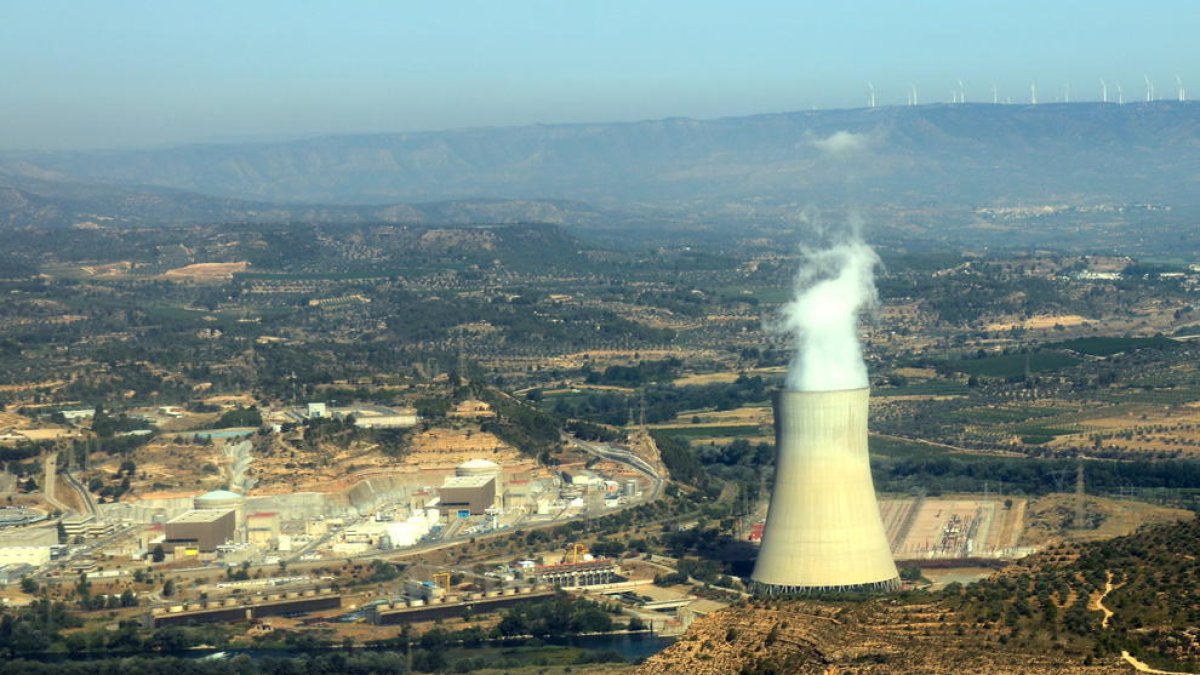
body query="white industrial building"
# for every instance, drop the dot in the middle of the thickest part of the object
(24, 555)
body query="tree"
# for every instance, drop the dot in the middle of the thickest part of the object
(607, 548)
(168, 588)
(158, 554)
(28, 586)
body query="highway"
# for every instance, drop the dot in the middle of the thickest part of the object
(622, 456)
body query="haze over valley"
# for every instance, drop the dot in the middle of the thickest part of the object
(665, 340)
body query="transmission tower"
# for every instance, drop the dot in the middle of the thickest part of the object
(1080, 496)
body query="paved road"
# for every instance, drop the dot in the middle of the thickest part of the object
(621, 456)
(50, 481)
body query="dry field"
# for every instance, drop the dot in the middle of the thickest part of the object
(1041, 322)
(726, 376)
(607, 357)
(450, 447)
(1149, 429)
(1048, 519)
(108, 270)
(13, 421)
(24, 386)
(207, 271)
(49, 433)
(167, 465)
(739, 416)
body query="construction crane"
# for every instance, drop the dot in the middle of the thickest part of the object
(576, 553)
(442, 579)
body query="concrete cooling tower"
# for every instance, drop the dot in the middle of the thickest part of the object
(823, 530)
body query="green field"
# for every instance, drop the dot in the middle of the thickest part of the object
(1009, 414)
(1013, 365)
(896, 448)
(1107, 346)
(699, 432)
(927, 388)
(313, 276)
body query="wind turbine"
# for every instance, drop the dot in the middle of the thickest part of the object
(871, 100)
(995, 95)
(962, 94)
(913, 88)
(1103, 90)
(1067, 92)
(1033, 93)
(1181, 91)
(1120, 95)
(1149, 88)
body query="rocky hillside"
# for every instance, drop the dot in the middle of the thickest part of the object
(877, 637)
(1087, 608)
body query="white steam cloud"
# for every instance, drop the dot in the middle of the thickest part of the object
(834, 286)
(842, 143)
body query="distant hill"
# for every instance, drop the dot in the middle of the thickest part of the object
(62, 202)
(933, 155)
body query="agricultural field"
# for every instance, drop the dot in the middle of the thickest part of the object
(1013, 365)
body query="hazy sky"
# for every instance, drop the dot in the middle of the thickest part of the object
(114, 73)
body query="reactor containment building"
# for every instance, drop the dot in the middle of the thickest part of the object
(823, 531)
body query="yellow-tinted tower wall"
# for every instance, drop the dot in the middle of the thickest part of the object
(823, 532)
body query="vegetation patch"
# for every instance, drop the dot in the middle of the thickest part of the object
(1107, 346)
(1011, 365)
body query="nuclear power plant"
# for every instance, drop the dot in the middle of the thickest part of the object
(823, 530)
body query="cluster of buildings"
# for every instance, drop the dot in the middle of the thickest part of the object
(366, 416)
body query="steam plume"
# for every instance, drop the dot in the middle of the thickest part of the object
(833, 287)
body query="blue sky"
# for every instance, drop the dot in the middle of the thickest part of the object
(90, 74)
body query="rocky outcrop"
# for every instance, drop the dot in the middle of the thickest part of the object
(878, 636)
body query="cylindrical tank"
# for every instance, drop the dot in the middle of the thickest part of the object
(823, 531)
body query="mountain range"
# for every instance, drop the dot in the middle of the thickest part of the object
(935, 156)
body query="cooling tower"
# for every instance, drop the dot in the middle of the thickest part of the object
(823, 530)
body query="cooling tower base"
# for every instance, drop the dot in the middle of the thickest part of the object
(779, 591)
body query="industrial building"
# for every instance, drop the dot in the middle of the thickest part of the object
(573, 574)
(203, 530)
(366, 416)
(483, 467)
(423, 590)
(263, 529)
(823, 530)
(234, 609)
(24, 555)
(408, 610)
(472, 495)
